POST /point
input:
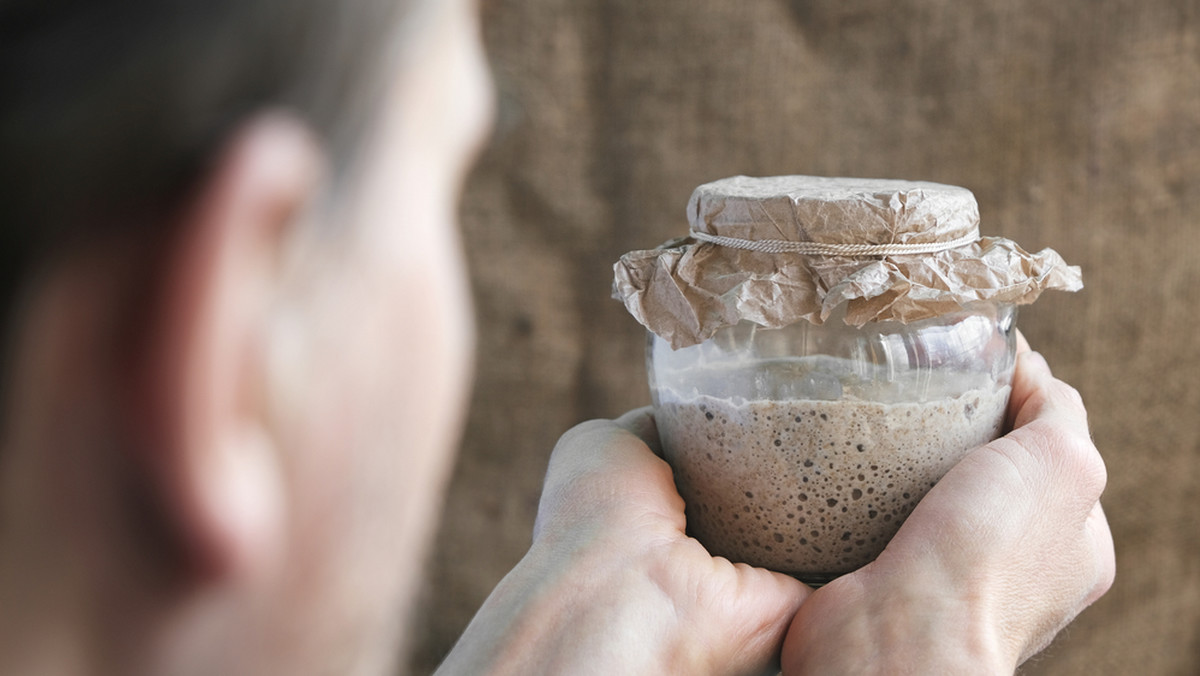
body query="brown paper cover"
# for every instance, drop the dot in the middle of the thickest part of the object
(685, 290)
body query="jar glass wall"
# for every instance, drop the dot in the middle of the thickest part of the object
(803, 448)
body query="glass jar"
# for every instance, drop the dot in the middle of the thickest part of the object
(803, 448)
(822, 351)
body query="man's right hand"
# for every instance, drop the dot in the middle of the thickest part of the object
(1004, 551)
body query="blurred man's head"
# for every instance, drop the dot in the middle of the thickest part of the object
(237, 326)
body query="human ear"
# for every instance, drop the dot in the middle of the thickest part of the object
(205, 437)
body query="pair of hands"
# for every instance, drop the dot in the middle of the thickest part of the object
(1004, 551)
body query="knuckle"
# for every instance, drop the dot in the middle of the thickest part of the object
(660, 471)
(576, 449)
(1069, 397)
(582, 430)
(1047, 437)
(1104, 578)
(1072, 452)
(572, 460)
(1095, 472)
(595, 458)
(1088, 466)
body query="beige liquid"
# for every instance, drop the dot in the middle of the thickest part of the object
(814, 488)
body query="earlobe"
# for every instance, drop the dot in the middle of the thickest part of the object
(206, 436)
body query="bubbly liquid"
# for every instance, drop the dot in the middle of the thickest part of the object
(814, 488)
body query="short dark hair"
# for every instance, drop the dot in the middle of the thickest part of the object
(110, 109)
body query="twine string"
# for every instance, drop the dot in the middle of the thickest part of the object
(775, 246)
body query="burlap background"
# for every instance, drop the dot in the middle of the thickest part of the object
(1076, 123)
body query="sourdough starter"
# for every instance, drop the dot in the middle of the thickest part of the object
(814, 488)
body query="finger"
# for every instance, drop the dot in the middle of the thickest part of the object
(1038, 394)
(641, 423)
(1050, 429)
(599, 466)
(1018, 395)
(1105, 557)
(604, 447)
(1026, 380)
(756, 641)
(1022, 344)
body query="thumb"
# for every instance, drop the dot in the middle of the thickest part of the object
(602, 472)
(641, 423)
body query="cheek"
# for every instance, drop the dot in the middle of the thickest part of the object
(411, 382)
(386, 356)
(404, 376)
(371, 415)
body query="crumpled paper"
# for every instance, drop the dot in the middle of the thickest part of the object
(685, 290)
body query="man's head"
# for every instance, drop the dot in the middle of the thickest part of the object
(238, 348)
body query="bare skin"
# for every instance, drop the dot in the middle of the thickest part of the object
(224, 449)
(1004, 552)
(223, 453)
